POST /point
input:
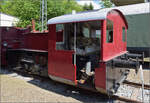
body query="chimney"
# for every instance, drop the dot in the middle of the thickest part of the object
(73, 12)
(33, 25)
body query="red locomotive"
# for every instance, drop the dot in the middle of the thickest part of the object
(86, 49)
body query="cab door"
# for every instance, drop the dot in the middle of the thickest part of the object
(60, 65)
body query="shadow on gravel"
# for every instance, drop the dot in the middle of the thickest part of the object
(70, 91)
(62, 89)
(4, 70)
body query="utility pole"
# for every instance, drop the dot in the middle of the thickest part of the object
(43, 14)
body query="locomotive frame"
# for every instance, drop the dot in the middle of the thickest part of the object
(102, 71)
(61, 60)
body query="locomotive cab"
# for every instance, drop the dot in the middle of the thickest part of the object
(91, 42)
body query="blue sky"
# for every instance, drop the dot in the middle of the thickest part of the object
(95, 3)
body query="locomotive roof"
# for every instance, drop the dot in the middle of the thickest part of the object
(81, 16)
(100, 14)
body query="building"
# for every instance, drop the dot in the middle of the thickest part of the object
(7, 20)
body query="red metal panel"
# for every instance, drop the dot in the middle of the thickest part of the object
(59, 61)
(111, 50)
(36, 41)
(52, 38)
(103, 37)
(13, 38)
(100, 73)
(51, 47)
(100, 76)
(39, 41)
(59, 37)
(62, 65)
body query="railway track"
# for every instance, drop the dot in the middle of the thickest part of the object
(136, 88)
(124, 99)
(137, 85)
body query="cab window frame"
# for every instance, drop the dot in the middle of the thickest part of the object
(109, 31)
(124, 33)
(57, 30)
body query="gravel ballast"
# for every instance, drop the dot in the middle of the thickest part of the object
(16, 88)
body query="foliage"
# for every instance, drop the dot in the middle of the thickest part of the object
(91, 6)
(88, 7)
(26, 10)
(106, 3)
(1, 3)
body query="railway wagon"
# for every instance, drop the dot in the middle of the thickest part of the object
(10, 38)
(88, 51)
(138, 34)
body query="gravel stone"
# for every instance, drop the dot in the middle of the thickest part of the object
(18, 88)
(15, 88)
(127, 91)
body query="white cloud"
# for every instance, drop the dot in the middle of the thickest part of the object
(95, 5)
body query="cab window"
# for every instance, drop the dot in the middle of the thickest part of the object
(109, 35)
(123, 34)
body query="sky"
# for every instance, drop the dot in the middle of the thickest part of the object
(95, 3)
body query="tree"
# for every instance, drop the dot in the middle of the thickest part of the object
(106, 3)
(91, 6)
(88, 7)
(1, 2)
(26, 10)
